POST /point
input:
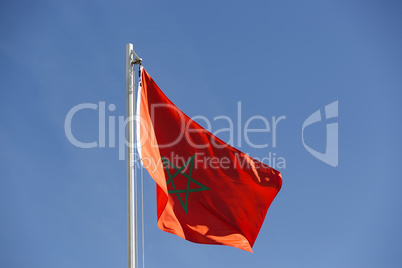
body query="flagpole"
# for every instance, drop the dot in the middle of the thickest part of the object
(131, 59)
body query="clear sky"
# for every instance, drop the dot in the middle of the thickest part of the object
(63, 206)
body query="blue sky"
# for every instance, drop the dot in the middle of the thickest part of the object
(63, 206)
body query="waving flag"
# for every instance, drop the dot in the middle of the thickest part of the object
(207, 191)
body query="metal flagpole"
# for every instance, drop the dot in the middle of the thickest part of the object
(131, 59)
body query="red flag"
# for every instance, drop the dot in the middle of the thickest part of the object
(207, 191)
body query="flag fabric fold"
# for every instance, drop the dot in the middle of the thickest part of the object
(207, 191)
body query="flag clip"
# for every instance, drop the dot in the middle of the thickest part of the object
(134, 58)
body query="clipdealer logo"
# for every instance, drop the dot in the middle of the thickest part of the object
(330, 156)
(117, 131)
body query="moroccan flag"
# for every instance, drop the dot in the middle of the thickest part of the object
(207, 191)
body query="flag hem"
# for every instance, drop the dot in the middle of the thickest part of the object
(138, 116)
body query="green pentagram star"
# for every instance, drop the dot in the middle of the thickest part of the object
(166, 164)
